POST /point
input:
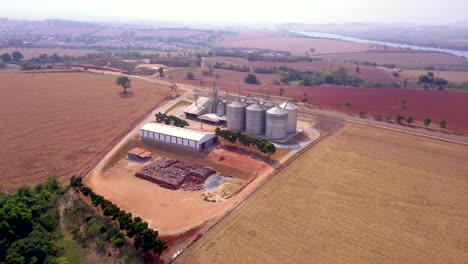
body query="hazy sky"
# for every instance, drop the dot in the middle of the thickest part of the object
(245, 11)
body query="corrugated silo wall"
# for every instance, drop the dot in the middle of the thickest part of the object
(255, 121)
(235, 118)
(292, 120)
(276, 126)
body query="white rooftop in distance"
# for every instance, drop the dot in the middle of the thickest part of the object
(178, 132)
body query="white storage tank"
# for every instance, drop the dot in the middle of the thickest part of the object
(236, 116)
(276, 123)
(255, 116)
(292, 115)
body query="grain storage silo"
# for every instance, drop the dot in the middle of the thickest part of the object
(268, 104)
(255, 119)
(292, 115)
(276, 123)
(236, 116)
(249, 100)
(221, 110)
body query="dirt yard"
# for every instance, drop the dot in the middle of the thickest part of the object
(61, 123)
(363, 195)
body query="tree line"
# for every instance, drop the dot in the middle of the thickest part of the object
(171, 120)
(144, 238)
(263, 145)
(28, 224)
(231, 67)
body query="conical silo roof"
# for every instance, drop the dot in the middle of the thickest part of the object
(255, 107)
(237, 103)
(276, 110)
(288, 105)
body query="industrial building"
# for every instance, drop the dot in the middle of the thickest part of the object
(178, 136)
(267, 118)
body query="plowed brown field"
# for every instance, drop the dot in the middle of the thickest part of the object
(295, 45)
(363, 195)
(60, 123)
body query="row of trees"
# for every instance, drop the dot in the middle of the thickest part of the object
(429, 80)
(310, 78)
(263, 145)
(171, 120)
(28, 224)
(15, 57)
(231, 67)
(144, 238)
(401, 118)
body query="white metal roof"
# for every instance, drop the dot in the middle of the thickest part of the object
(212, 117)
(178, 132)
(199, 107)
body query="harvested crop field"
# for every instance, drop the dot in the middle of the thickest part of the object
(367, 73)
(28, 53)
(451, 76)
(405, 59)
(60, 123)
(295, 45)
(363, 195)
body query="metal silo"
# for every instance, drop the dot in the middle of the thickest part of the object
(249, 100)
(276, 123)
(255, 116)
(268, 104)
(292, 115)
(236, 116)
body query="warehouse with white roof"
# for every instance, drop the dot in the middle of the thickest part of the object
(175, 135)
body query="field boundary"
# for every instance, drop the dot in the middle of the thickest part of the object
(260, 186)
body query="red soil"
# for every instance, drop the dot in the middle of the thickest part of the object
(448, 105)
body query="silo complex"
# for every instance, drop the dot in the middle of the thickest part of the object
(255, 119)
(276, 123)
(236, 116)
(292, 115)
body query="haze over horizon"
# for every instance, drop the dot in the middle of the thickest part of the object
(243, 11)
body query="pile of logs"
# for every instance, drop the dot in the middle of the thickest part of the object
(175, 174)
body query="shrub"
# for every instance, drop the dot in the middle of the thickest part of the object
(400, 118)
(362, 114)
(377, 116)
(251, 79)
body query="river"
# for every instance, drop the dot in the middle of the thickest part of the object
(390, 44)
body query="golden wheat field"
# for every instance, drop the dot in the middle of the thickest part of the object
(362, 195)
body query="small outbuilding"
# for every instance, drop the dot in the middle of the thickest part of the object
(139, 154)
(178, 136)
